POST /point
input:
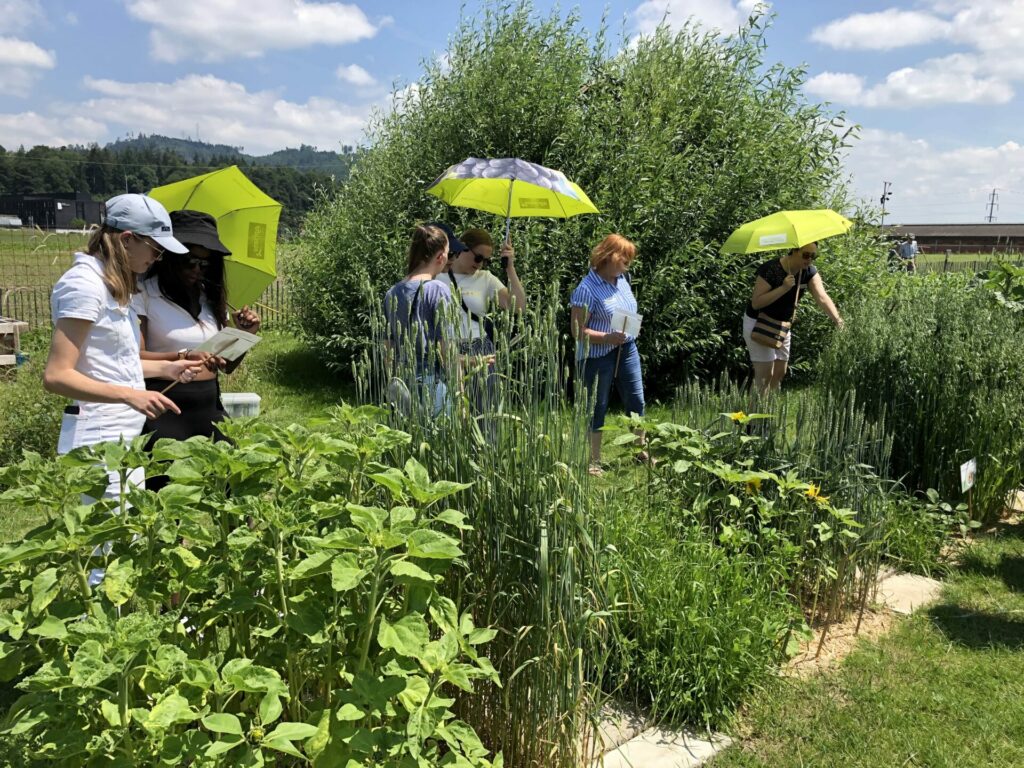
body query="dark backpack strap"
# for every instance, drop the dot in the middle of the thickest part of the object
(484, 322)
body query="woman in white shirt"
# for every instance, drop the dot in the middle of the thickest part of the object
(477, 290)
(183, 302)
(94, 355)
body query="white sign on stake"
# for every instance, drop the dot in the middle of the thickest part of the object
(967, 472)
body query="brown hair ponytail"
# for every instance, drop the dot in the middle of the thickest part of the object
(427, 240)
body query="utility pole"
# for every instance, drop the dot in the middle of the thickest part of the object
(993, 206)
(886, 194)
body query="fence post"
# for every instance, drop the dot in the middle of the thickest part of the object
(945, 265)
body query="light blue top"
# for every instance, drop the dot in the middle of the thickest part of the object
(600, 298)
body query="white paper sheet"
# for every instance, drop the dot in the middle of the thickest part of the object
(230, 344)
(627, 322)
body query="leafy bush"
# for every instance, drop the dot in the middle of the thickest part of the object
(276, 603)
(937, 359)
(678, 139)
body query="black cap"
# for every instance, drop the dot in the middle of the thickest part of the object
(454, 244)
(197, 228)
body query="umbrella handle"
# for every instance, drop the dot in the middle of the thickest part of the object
(508, 220)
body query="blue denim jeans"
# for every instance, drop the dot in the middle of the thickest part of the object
(629, 382)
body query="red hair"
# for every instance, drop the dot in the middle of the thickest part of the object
(610, 246)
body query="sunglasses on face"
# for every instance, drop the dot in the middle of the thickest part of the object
(479, 257)
(190, 262)
(159, 251)
(809, 256)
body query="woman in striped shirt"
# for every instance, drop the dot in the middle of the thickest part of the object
(604, 354)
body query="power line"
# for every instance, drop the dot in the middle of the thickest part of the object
(993, 205)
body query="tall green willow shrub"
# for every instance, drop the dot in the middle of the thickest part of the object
(678, 139)
(938, 358)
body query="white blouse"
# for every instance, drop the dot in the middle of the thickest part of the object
(111, 350)
(168, 326)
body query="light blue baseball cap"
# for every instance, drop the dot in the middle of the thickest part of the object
(144, 216)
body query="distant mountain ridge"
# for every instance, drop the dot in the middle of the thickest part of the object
(199, 152)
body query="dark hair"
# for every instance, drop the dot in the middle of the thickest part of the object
(168, 278)
(801, 247)
(426, 241)
(474, 237)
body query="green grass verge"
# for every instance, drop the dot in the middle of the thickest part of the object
(946, 688)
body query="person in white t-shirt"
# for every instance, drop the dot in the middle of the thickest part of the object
(477, 290)
(94, 355)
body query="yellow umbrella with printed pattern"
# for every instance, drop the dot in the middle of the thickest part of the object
(246, 223)
(786, 230)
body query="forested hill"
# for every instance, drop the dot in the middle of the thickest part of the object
(290, 176)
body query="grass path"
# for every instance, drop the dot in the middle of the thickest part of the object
(946, 688)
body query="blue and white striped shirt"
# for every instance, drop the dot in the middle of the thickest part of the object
(601, 299)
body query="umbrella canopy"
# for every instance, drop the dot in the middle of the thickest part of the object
(786, 230)
(246, 222)
(511, 187)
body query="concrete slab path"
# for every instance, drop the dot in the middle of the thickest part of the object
(906, 592)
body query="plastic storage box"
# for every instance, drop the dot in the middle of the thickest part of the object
(241, 404)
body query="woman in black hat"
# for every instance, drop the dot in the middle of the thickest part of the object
(182, 303)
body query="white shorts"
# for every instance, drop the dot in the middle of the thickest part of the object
(759, 353)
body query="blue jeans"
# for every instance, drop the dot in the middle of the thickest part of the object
(629, 382)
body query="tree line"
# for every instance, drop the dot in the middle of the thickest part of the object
(138, 166)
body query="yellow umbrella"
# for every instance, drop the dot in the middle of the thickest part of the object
(786, 230)
(246, 223)
(511, 187)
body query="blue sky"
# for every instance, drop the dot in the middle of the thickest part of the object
(934, 84)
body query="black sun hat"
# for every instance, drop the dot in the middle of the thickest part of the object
(197, 228)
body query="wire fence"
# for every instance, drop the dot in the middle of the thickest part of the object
(32, 260)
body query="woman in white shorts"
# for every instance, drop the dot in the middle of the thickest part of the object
(776, 294)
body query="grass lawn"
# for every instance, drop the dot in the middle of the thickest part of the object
(946, 688)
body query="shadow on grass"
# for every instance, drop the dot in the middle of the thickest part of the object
(304, 373)
(977, 630)
(1009, 569)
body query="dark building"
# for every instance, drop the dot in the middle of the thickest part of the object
(53, 211)
(963, 238)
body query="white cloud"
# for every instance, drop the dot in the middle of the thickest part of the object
(18, 15)
(22, 64)
(955, 79)
(725, 15)
(355, 75)
(891, 28)
(22, 53)
(31, 128)
(214, 30)
(226, 112)
(931, 184)
(983, 74)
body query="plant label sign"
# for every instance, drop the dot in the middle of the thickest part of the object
(967, 472)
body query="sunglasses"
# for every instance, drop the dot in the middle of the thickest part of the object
(810, 256)
(479, 257)
(190, 262)
(159, 251)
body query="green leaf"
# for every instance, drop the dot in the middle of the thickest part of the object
(345, 573)
(311, 566)
(433, 545)
(110, 713)
(270, 708)
(220, 747)
(367, 519)
(281, 745)
(393, 480)
(119, 581)
(407, 637)
(350, 712)
(243, 675)
(89, 669)
(223, 722)
(44, 589)
(417, 473)
(170, 710)
(406, 570)
(51, 627)
(455, 518)
(293, 731)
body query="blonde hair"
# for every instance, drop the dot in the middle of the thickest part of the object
(118, 276)
(611, 245)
